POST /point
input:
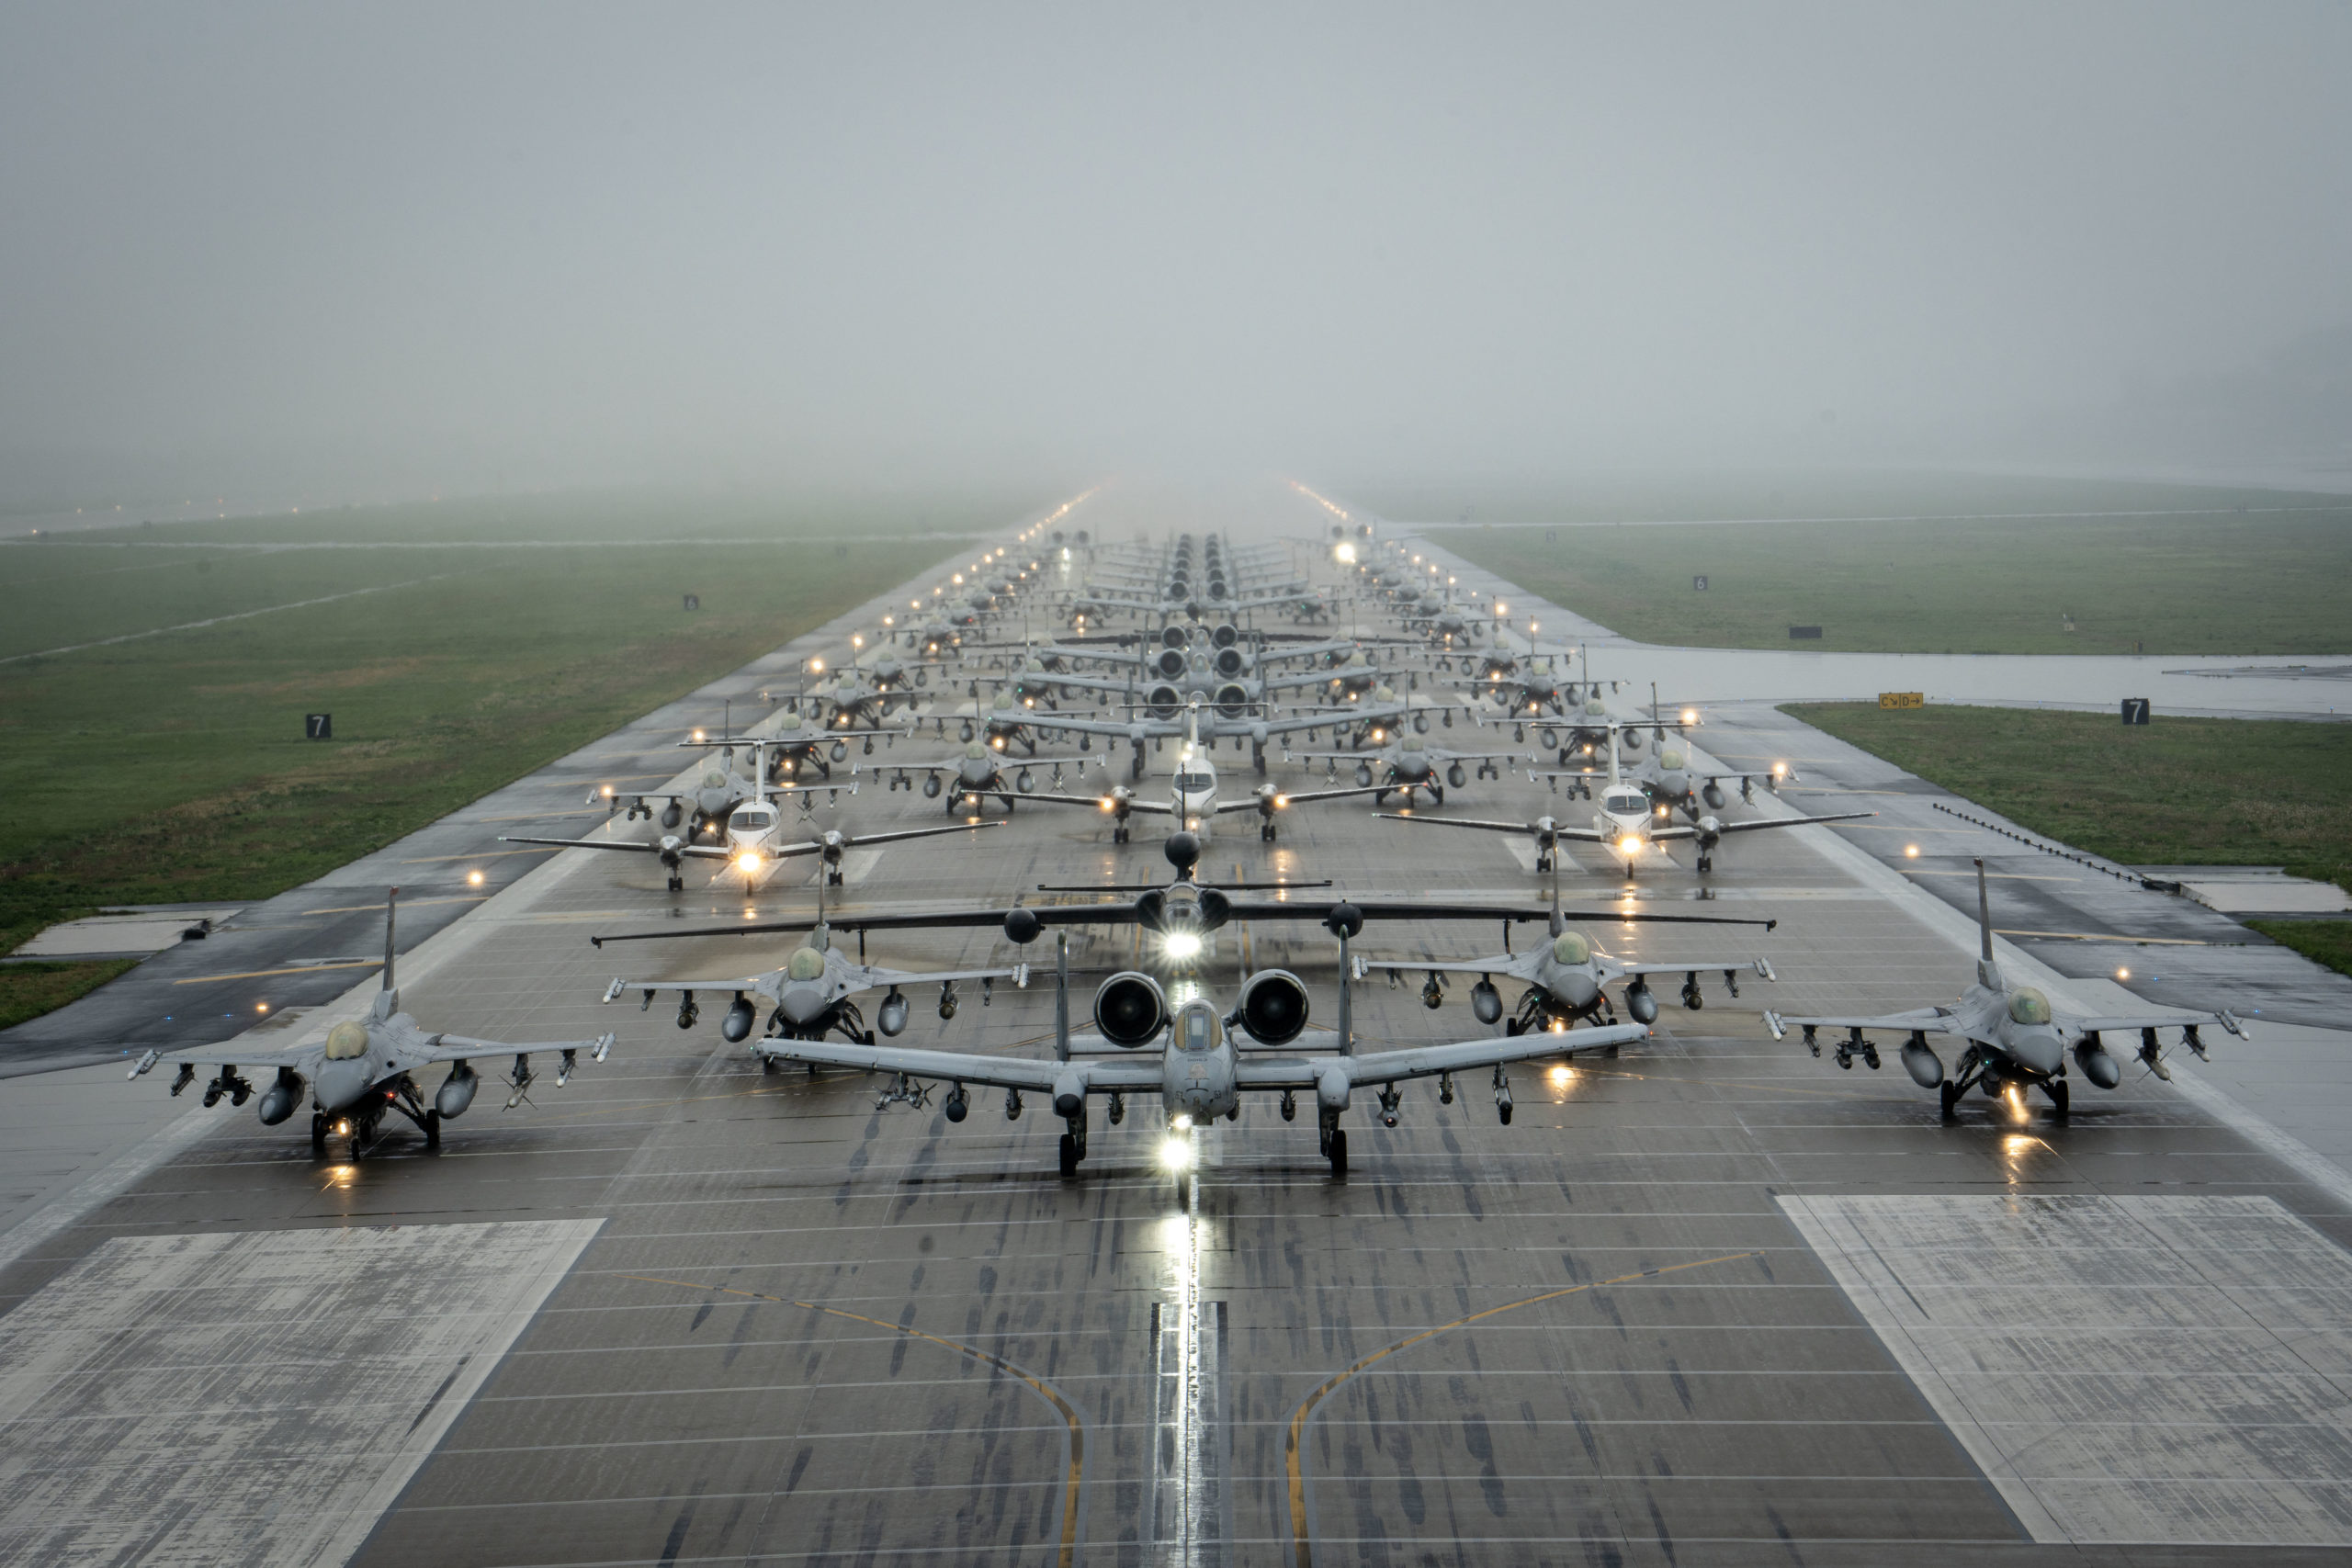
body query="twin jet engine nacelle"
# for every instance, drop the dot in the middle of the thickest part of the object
(1130, 1009)
(1272, 1006)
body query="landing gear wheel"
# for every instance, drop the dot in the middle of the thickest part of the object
(433, 1129)
(2056, 1090)
(1338, 1151)
(1502, 1113)
(1706, 864)
(318, 1134)
(677, 884)
(1510, 1026)
(1437, 796)
(1950, 1092)
(1069, 1157)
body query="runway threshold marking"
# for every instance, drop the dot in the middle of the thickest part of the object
(1294, 1440)
(1044, 1389)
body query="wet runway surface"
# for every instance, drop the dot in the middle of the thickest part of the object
(1707, 1301)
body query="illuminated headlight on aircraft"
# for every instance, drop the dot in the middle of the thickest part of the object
(1690, 715)
(1559, 1026)
(1108, 805)
(1280, 801)
(747, 862)
(608, 792)
(816, 667)
(1345, 555)
(1661, 811)
(1182, 1123)
(1628, 845)
(1181, 945)
(698, 735)
(1780, 770)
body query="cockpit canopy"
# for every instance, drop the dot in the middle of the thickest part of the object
(974, 752)
(1196, 1029)
(2028, 1006)
(1624, 803)
(346, 1042)
(752, 819)
(1670, 759)
(1414, 743)
(1569, 947)
(1195, 783)
(714, 781)
(806, 964)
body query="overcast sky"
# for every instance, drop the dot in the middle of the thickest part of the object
(442, 247)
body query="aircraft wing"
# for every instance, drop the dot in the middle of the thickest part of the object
(1098, 803)
(698, 852)
(1753, 824)
(1929, 1020)
(860, 840)
(1428, 1061)
(1294, 797)
(1756, 966)
(463, 1048)
(1098, 1075)
(872, 975)
(1518, 965)
(1485, 823)
(620, 987)
(303, 1060)
(1327, 719)
(2228, 1021)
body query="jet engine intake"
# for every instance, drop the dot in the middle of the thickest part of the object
(1130, 1009)
(1272, 1006)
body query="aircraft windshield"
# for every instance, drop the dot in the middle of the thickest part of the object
(1570, 948)
(346, 1042)
(1194, 784)
(1625, 804)
(752, 821)
(2028, 1006)
(1197, 1036)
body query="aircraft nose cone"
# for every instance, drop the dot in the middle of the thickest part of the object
(803, 1006)
(1578, 991)
(2039, 1050)
(340, 1083)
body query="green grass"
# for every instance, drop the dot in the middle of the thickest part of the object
(173, 768)
(2323, 942)
(29, 990)
(2218, 580)
(2178, 792)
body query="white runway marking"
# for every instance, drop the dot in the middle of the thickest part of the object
(250, 1397)
(2124, 1369)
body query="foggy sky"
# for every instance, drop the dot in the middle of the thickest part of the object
(406, 247)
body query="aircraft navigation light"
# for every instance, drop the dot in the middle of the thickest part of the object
(1176, 1153)
(1911, 852)
(473, 879)
(1181, 945)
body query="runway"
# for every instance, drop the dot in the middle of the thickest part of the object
(1708, 1301)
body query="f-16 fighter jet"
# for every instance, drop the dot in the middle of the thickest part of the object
(968, 780)
(366, 1068)
(2011, 1037)
(810, 997)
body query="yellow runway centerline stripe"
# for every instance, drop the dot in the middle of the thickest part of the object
(296, 969)
(1044, 1389)
(1293, 1440)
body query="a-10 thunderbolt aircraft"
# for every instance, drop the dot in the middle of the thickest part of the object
(1160, 721)
(809, 996)
(2012, 1038)
(1410, 762)
(1205, 1058)
(1625, 821)
(1192, 805)
(365, 1069)
(968, 780)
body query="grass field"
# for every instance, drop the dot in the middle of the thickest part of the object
(2180, 791)
(1923, 566)
(173, 768)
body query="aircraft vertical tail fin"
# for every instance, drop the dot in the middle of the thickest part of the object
(391, 901)
(1061, 995)
(1988, 973)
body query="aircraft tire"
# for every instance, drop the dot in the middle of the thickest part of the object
(1338, 1151)
(2056, 1090)
(1950, 1093)
(1069, 1157)
(318, 1133)
(433, 1129)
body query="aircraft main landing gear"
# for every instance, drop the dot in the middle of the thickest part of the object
(318, 1134)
